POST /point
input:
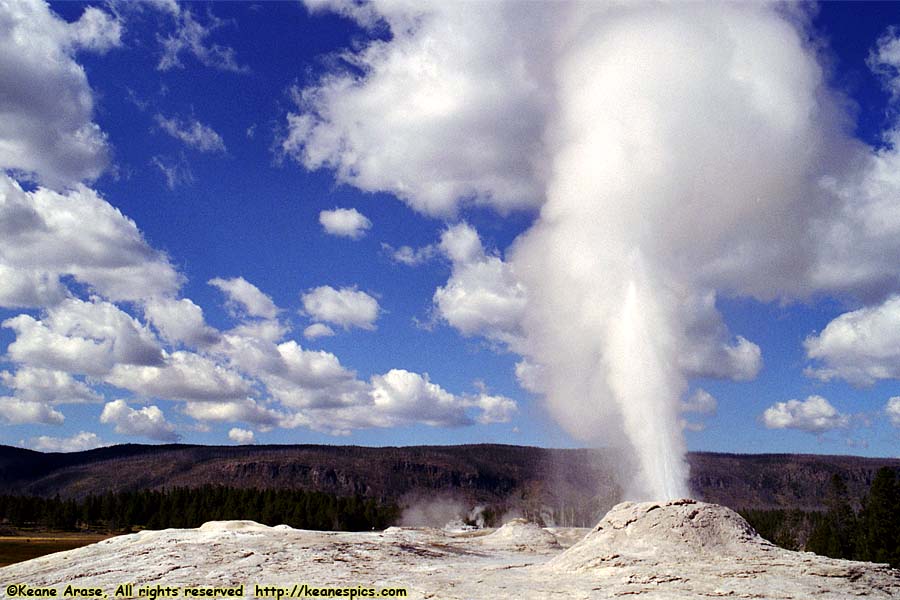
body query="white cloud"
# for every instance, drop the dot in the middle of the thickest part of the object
(182, 376)
(530, 376)
(45, 235)
(96, 30)
(193, 133)
(403, 397)
(482, 296)
(27, 288)
(191, 37)
(310, 378)
(861, 346)
(892, 410)
(82, 337)
(701, 402)
(269, 330)
(48, 387)
(406, 397)
(346, 307)
(240, 436)
(176, 171)
(450, 110)
(884, 60)
(814, 415)
(149, 421)
(345, 222)
(245, 296)
(691, 426)
(247, 411)
(180, 321)
(46, 128)
(409, 256)
(494, 409)
(708, 349)
(17, 411)
(79, 442)
(317, 330)
(316, 391)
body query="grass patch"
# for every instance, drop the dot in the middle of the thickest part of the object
(14, 549)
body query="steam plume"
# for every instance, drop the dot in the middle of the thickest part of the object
(676, 152)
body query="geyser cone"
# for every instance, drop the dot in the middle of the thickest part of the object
(660, 531)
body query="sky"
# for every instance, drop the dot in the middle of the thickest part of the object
(663, 226)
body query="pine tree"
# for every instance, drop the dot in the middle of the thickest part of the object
(879, 520)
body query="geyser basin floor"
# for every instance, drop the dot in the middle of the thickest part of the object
(675, 550)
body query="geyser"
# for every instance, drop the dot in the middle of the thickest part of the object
(676, 152)
(676, 140)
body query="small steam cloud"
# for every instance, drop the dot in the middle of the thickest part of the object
(434, 512)
(675, 152)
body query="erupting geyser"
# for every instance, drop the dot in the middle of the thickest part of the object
(682, 141)
(676, 152)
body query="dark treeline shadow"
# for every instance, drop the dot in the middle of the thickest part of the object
(870, 532)
(191, 507)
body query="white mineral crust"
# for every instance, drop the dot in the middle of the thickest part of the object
(674, 550)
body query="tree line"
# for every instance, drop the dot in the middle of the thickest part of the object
(871, 533)
(191, 507)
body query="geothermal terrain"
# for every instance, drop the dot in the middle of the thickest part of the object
(675, 550)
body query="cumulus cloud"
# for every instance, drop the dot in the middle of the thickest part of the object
(182, 375)
(400, 398)
(345, 222)
(317, 330)
(80, 336)
(884, 60)
(96, 30)
(403, 397)
(861, 346)
(407, 397)
(709, 349)
(45, 235)
(315, 390)
(302, 378)
(245, 297)
(46, 129)
(494, 409)
(240, 436)
(345, 307)
(180, 321)
(482, 296)
(29, 288)
(409, 256)
(246, 411)
(191, 37)
(78, 442)
(193, 133)
(450, 109)
(892, 410)
(268, 330)
(701, 402)
(149, 421)
(48, 386)
(813, 415)
(16, 411)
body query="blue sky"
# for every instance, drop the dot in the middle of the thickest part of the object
(170, 239)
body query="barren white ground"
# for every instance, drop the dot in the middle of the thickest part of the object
(674, 550)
